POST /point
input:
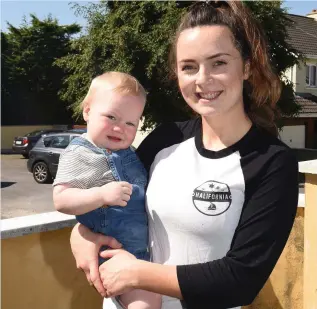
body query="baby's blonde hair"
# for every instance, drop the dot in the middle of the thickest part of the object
(118, 82)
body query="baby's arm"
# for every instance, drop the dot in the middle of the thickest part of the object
(76, 201)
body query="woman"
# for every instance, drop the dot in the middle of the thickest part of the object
(222, 193)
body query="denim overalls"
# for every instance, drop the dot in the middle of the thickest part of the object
(126, 224)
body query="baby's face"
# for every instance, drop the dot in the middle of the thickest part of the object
(113, 119)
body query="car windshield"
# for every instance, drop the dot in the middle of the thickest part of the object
(34, 133)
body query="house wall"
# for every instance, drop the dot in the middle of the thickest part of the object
(293, 136)
(290, 74)
(309, 124)
(300, 79)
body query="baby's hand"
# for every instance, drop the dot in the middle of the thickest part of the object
(116, 193)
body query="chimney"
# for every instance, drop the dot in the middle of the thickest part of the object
(312, 14)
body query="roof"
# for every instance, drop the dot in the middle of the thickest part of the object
(307, 106)
(303, 34)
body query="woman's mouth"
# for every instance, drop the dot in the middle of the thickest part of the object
(208, 96)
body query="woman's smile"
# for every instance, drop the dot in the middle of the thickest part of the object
(206, 97)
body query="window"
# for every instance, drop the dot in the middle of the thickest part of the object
(60, 141)
(34, 133)
(311, 75)
(47, 141)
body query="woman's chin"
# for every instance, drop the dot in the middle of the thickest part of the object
(207, 111)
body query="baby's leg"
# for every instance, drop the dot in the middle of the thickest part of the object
(140, 299)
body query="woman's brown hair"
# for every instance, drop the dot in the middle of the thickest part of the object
(263, 88)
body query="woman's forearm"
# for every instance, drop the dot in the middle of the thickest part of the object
(157, 278)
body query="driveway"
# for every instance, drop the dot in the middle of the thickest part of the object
(20, 194)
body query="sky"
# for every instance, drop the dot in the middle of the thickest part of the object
(13, 11)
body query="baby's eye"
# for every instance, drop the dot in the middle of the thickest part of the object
(111, 117)
(130, 124)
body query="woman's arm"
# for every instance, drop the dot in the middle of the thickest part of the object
(85, 246)
(137, 274)
(236, 279)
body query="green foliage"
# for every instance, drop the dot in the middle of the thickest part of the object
(135, 37)
(31, 81)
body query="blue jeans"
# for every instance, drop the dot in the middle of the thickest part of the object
(126, 224)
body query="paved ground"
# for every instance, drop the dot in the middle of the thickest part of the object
(20, 194)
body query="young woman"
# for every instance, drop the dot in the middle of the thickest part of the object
(222, 193)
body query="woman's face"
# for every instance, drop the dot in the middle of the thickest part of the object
(210, 70)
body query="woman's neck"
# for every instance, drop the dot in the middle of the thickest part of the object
(221, 132)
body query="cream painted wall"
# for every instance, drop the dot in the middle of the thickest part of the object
(290, 74)
(301, 78)
(9, 132)
(38, 271)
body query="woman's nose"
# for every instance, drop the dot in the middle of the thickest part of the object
(203, 76)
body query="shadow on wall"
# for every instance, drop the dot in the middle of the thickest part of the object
(267, 299)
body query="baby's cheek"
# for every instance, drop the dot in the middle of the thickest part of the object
(131, 133)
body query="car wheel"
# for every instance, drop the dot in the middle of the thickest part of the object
(26, 156)
(41, 173)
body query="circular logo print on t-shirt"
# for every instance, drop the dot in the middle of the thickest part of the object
(212, 198)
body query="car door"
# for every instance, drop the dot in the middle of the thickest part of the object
(57, 146)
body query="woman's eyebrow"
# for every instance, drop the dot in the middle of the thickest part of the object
(208, 58)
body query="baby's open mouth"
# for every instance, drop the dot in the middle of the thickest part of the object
(114, 139)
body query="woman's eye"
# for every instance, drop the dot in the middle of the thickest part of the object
(219, 63)
(111, 117)
(187, 68)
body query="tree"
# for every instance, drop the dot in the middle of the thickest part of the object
(135, 37)
(30, 80)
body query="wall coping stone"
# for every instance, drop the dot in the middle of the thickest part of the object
(308, 167)
(37, 223)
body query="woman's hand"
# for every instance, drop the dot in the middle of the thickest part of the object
(118, 274)
(85, 246)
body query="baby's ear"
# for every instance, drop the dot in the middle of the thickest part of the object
(86, 110)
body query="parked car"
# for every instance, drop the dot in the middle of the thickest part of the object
(44, 156)
(78, 130)
(23, 144)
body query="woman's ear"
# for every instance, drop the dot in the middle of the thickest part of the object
(247, 70)
(86, 111)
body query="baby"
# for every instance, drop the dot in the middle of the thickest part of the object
(101, 180)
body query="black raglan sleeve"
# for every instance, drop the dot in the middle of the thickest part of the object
(161, 137)
(259, 239)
